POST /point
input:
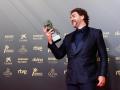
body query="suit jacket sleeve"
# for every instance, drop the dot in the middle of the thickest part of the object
(102, 54)
(58, 52)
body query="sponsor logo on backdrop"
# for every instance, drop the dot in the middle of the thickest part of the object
(8, 61)
(108, 59)
(117, 58)
(22, 49)
(37, 60)
(98, 59)
(52, 60)
(118, 48)
(38, 37)
(52, 73)
(106, 34)
(22, 72)
(7, 49)
(23, 38)
(7, 72)
(36, 72)
(22, 60)
(65, 71)
(117, 33)
(9, 37)
(108, 49)
(118, 73)
(37, 48)
(49, 51)
(65, 34)
(66, 61)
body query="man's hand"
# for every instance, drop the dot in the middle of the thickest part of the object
(101, 81)
(48, 34)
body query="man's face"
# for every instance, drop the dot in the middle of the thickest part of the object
(76, 19)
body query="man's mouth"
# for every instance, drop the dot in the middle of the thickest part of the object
(74, 22)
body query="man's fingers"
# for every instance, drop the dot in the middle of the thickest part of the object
(50, 31)
(101, 80)
(100, 84)
(45, 29)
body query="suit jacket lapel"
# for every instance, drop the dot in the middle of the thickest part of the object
(75, 49)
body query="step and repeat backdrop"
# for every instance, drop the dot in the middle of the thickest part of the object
(26, 63)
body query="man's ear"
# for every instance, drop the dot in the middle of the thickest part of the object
(82, 17)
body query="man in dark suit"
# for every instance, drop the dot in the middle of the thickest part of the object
(81, 46)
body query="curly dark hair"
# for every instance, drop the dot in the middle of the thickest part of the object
(83, 12)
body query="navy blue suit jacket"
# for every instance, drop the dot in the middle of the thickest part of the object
(82, 60)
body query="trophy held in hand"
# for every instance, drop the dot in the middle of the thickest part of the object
(55, 34)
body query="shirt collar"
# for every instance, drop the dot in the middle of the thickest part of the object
(82, 30)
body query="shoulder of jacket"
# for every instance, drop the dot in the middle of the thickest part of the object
(95, 32)
(94, 29)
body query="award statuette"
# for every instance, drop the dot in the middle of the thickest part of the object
(55, 35)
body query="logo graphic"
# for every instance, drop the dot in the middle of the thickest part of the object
(52, 73)
(108, 49)
(22, 49)
(22, 72)
(8, 61)
(106, 34)
(49, 51)
(36, 72)
(37, 60)
(7, 49)
(65, 71)
(66, 61)
(52, 60)
(23, 38)
(117, 48)
(7, 72)
(22, 60)
(38, 37)
(118, 73)
(117, 58)
(9, 37)
(117, 33)
(37, 48)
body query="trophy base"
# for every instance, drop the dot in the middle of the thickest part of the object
(56, 38)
